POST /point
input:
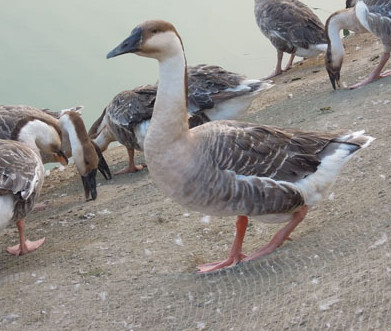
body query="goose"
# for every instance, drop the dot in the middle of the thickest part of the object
(87, 157)
(80, 140)
(292, 28)
(232, 168)
(25, 124)
(21, 179)
(367, 16)
(33, 125)
(214, 93)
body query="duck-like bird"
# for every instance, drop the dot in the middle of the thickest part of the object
(21, 179)
(23, 123)
(367, 16)
(86, 155)
(229, 167)
(214, 93)
(292, 27)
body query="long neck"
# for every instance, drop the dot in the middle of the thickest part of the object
(344, 19)
(70, 137)
(104, 138)
(32, 132)
(169, 121)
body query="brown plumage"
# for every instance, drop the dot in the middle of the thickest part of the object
(292, 28)
(214, 93)
(367, 16)
(228, 167)
(21, 179)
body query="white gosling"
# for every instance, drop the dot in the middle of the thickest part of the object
(292, 27)
(229, 168)
(214, 94)
(367, 16)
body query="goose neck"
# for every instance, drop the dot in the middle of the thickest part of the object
(170, 117)
(344, 19)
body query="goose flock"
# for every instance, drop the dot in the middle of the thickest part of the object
(223, 166)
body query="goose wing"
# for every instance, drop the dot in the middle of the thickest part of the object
(265, 151)
(13, 117)
(289, 24)
(131, 107)
(21, 170)
(209, 84)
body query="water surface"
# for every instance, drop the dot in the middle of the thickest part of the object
(52, 53)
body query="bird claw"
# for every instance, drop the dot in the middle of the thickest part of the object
(228, 263)
(28, 247)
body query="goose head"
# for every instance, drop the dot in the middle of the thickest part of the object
(335, 49)
(154, 38)
(84, 152)
(333, 67)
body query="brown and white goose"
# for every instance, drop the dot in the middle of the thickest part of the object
(86, 155)
(31, 126)
(75, 137)
(21, 179)
(367, 16)
(214, 94)
(228, 167)
(292, 28)
(25, 123)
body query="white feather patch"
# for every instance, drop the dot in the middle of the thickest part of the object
(7, 209)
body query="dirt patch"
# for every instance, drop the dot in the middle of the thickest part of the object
(127, 260)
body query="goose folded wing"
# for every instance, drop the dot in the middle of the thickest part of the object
(265, 151)
(132, 107)
(295, 24)
(20, 176)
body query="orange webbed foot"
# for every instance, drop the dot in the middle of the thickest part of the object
(130, 169)
(213, 266)
(27, 247)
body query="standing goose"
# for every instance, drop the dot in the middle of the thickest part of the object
(292, 28)
(18, 122)
(21, 179)
(367, 16)
(227, 167)
(214, 94)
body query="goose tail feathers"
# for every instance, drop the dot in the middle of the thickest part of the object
(357, 138)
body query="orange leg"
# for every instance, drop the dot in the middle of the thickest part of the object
(235, 255)
(280, 236)
(25, 246)
(375, 74)
(131, 167)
